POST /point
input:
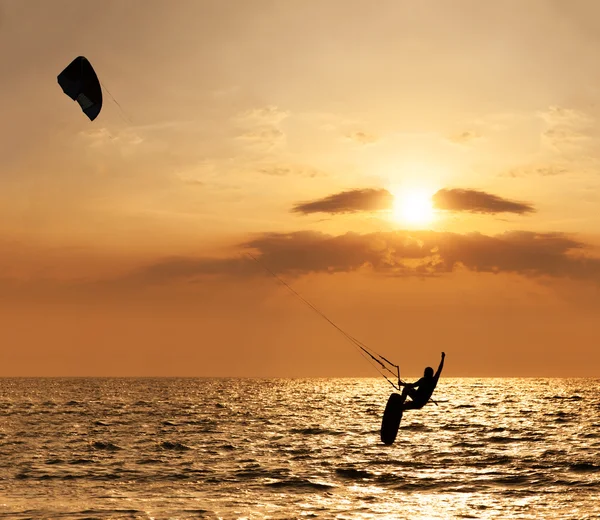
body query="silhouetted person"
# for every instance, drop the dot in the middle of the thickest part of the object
(420, 392)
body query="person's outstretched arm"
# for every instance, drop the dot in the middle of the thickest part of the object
(439, 370)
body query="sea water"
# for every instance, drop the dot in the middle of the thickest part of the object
(296, 448)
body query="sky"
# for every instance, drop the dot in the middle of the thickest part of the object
(427, 174)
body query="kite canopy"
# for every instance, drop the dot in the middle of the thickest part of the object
(80, 83)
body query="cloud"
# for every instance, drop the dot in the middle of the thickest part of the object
(264, 137)
(351, 201)
(192, 181)
(550, 170)
(371, 199)
(401, 253)
(426, 252)
(478, 202)
(282, 170)
(264, 116)
(124, 139)
(362, 137)
(569, 144)
(183, 267)
(465, 137)
(560, 116)
(559, 139)
(566, 129)
(261, 127)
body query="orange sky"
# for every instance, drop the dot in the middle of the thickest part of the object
(301, 131)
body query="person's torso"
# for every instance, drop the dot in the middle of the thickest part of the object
(426, 388)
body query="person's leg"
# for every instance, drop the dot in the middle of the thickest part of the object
(405, 392)
(409, 405)
(413, 405)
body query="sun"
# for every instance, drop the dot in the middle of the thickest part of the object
(413, 207)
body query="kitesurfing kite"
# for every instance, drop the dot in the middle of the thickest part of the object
(80, 82)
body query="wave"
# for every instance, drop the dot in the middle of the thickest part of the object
(352, 473)
(107, 446)
(415, 427)
(422, 484)
(148, 461)
(111, 512)
(467, 444)
(174, 446)
(564, 398)
(315, 431)
(300, 484)
(585, 467)
(509, 480)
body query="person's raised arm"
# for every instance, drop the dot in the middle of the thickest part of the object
(439, 370)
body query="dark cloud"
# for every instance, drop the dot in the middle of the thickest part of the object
(351, 201)
(371, 199)
(424, 253)
(478, 202)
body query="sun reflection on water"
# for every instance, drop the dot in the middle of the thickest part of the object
(287, 448)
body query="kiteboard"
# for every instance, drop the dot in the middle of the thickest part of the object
(391, 419)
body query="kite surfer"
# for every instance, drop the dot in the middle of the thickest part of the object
(420, 391)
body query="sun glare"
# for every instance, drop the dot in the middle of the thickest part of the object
(413, 207)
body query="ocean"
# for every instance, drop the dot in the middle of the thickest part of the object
(296, 448)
